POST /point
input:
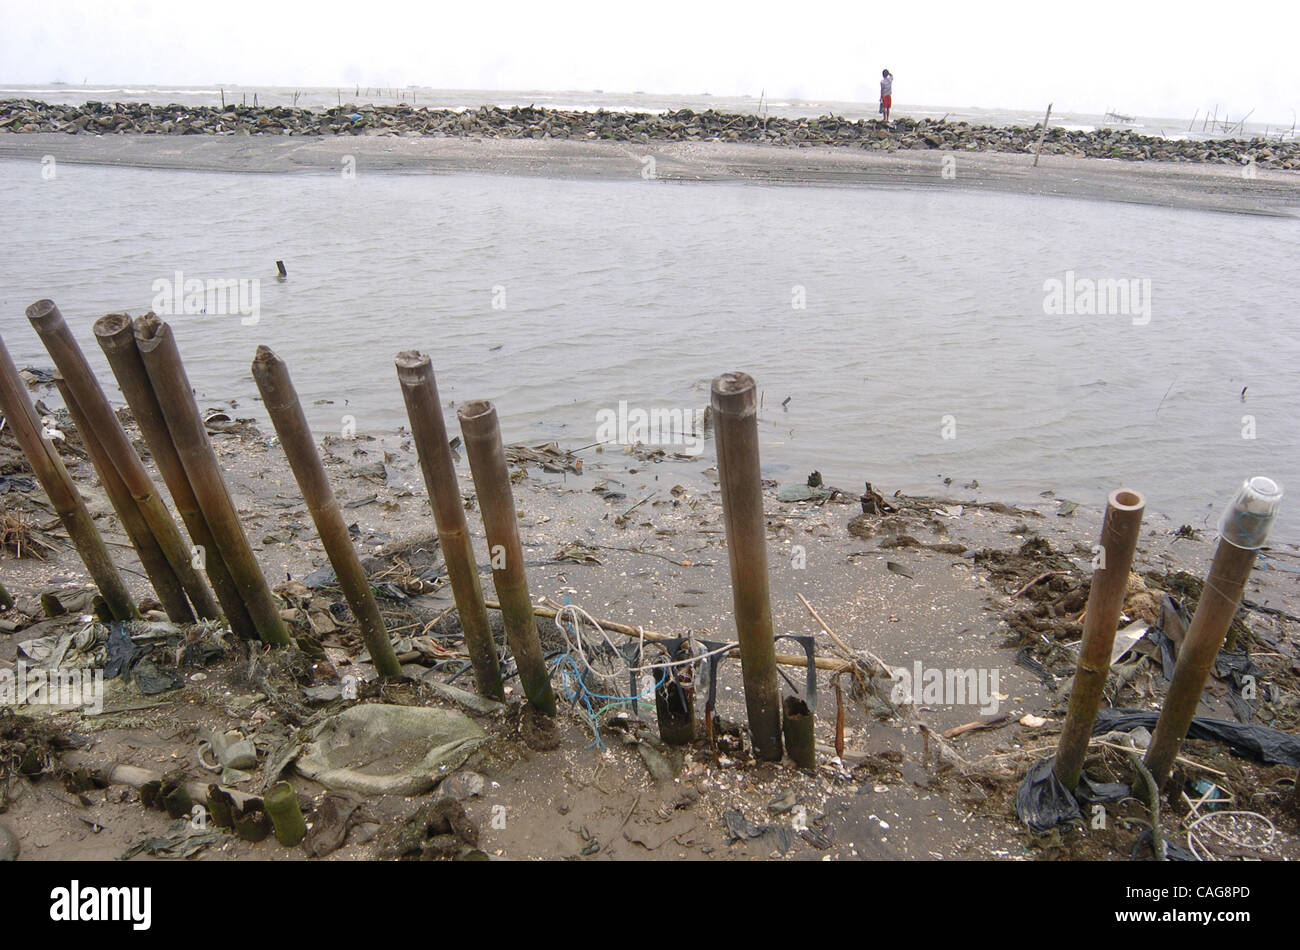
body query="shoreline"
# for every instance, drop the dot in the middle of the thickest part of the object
(1183, 185)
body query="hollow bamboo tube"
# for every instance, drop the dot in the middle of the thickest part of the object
(162, 361)
(429, 432)
(6, 600)
(49, 324)
(496, 501)
(281, 804)
(1219, 601)
(117, 340)
(165, 582)
(735, 408)
(54, 479)
(797, 730)
(281, 402)
(675, 705)
(1119, 536)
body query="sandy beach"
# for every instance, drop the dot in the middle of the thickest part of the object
(1210, 187)
(952, 582)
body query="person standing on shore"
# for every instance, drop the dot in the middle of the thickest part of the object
(886, 92)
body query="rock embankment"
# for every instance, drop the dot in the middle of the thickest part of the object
(101, 118)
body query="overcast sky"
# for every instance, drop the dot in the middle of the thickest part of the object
(1165, 60)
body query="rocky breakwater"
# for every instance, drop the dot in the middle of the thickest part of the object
(100, 118)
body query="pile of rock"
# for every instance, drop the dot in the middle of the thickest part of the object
(685, 125)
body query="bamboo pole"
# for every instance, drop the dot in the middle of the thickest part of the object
(162, 361)
(735, 409)
(117, 340)
(58, 486)
(1119, 536)
(165, 582)
(1043, 134)
(281, 402)
(496, 501)
(50, 326)
(429, 432)
(1244, 530)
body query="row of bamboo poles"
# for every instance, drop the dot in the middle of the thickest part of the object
(146, 362)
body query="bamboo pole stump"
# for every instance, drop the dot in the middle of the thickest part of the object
(56, 482)
(735, 406)
(281, 401)
(496, 501)
(1119, 536)
(162, 361)
(429, 432)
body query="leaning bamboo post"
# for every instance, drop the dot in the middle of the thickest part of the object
(1043, 134)
(49, 324)
(1243, 532)
(735, 408)
(162, 361)
(56, 482)
(281, 402)
(165, 582)
(496, 501)
(429, 432)
(117, 340)
(1114, 561)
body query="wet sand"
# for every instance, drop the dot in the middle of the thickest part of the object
(1176, 185)
(933, 582)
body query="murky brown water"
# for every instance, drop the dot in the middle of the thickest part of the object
(922, 315)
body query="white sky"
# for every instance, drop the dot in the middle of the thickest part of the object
(1164, 60)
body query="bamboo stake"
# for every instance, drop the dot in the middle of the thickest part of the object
(1244, 531)
(496, 501)
(1119, 536)
(162, 361)
(49, 324)
(734, 401)
(117, 340)
(58, 486)
(1043, 134)
(281, 401)
(165, 582)
(429, 432)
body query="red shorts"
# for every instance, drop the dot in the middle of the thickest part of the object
(886, 101)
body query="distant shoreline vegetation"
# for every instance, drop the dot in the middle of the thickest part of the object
(684, 125)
